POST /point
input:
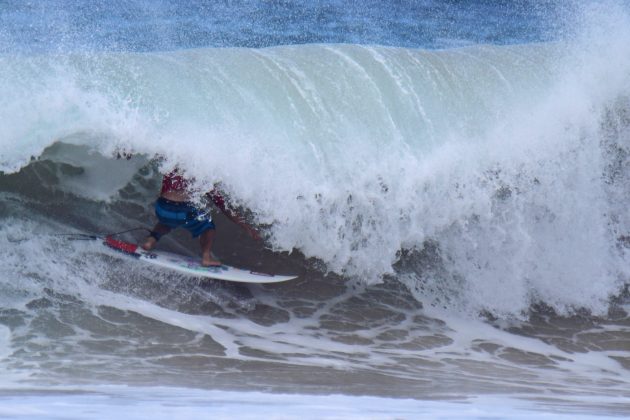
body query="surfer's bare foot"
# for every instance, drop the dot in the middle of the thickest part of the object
(208, 261)
(149, 243)
(158, 231)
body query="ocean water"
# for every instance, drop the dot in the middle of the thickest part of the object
(449, 180)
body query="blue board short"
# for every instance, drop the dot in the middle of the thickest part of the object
(183, 214)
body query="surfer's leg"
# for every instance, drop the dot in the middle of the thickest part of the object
(205, 240)
(158, 231)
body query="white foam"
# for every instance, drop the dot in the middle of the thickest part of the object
(592, 366)
(168, 403)
(5, 342)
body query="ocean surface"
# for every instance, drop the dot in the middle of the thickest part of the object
(449, 179)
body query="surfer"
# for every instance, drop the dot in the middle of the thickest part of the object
(174, 209)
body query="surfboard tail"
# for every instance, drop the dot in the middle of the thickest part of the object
(122, 246)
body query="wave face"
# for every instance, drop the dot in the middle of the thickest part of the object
(465, 171)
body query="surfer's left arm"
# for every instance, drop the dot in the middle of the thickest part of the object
(219, 202)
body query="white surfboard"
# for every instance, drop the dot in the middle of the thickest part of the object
(192, 266)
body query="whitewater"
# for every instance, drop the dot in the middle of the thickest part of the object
(457, 216)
